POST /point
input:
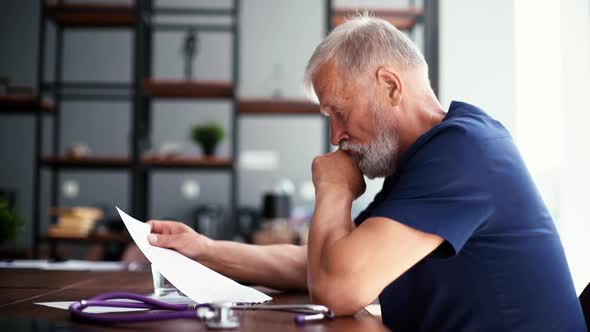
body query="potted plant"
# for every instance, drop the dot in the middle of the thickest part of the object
(11, 225)
(208, 136)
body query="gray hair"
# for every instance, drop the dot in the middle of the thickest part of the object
(361, 44)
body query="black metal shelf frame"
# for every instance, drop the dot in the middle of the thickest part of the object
(142, 112)
(60, 91)
(120, 91)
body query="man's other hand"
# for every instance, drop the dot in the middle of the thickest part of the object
(337, 171)
(180, 237)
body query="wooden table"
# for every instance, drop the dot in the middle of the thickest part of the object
(21, 288)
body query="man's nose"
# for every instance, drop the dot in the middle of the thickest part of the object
(337, 133)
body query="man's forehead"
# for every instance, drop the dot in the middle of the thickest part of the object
(326, 80)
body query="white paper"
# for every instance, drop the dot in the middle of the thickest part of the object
(70, 265)
(25, 264)
(169, 298)
(93, 310)
(81, 265)
(196, 281)
(374, 309)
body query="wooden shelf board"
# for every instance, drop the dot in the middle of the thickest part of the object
(187, 161)
(92, 14)
(93, 238)
(401, 18)
(168, 88)
(149, 160)
(90, 162)
(24, 104)
(277, 106)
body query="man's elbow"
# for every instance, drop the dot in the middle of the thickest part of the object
(342, 299)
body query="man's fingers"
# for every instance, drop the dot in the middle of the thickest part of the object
(164, 241)
(178, 242)
(166, 227)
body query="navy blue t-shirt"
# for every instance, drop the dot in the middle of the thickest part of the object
(502, 266)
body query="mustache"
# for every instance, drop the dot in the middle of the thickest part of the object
(352, 147)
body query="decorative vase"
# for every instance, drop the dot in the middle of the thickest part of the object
(209, 150)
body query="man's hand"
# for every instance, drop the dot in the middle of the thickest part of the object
(180, 237)
(337, 171)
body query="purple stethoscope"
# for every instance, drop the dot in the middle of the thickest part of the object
(219, 315)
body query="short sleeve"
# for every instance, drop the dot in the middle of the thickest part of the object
(441, 188)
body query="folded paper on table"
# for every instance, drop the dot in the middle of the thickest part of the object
(196, 281)
(64, 305)
(169, 298)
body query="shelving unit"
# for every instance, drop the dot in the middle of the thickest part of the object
(24, 104)
(189, 162)
(277, 106)
(152, 88)
(402, 18)
(140, 92)
(144, 89)
(37, 108)
(188, 89)
(93, 162)
(76, 16)
(91, 15)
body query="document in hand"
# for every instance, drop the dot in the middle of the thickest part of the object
(196, 281)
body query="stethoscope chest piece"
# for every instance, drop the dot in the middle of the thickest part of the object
(219, 316)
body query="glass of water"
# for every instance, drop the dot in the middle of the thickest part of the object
(161, 285)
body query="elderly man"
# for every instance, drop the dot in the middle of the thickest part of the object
(458, 239)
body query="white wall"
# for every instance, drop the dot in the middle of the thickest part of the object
(574, 219)
(552, 70)
(530, 69)
(477, 55)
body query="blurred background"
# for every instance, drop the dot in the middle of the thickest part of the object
(196, 112)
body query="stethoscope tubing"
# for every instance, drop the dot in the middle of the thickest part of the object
(164, 310)
(173, 311)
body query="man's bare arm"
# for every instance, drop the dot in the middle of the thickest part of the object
(280, 266)
(348, 267)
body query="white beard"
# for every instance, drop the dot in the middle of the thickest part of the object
(378, 158)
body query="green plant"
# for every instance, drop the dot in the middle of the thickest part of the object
(208, 136)
(11, 225)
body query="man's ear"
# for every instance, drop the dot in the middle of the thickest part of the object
(391, 83)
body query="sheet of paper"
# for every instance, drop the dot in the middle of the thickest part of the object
(170, 298)
(25, 264)
(81, 265)
(196, 281)
(374, 309)
(93, 310)
(70, 265)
